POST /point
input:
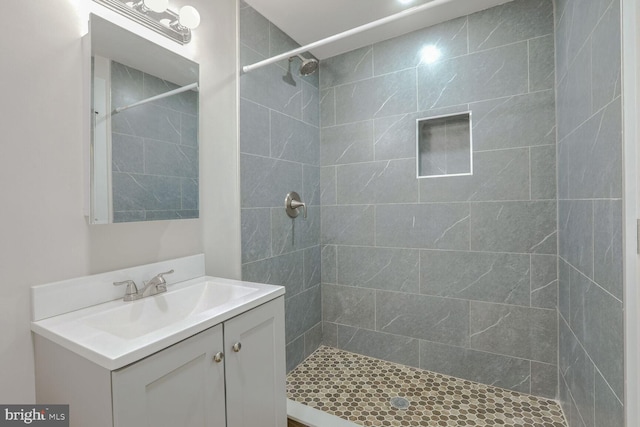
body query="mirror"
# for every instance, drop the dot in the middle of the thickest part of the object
(144, 133)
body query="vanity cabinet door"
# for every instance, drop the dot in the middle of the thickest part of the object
(255, 367)
(180, 386)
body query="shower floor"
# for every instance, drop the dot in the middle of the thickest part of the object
(359, 389)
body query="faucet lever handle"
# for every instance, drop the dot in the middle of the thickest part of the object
(132, 290)
(161, 275)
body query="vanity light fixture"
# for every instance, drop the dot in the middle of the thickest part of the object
(155, 15)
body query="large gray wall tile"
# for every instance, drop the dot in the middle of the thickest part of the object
(529, 333)
(148, 121)
(254, 128)
(393, 348)
(379, 268)
(291, 234)
(606, 74)
(312, 339)
(312, 266)
(328, 107)
(266, 87)
(595, 156)
(578, 373)
(515, 21)
(381, 96)
(347, 305)
(310, 185)
(164, 158)
(256, 234)
(541, 63)
(391, 181)
(329, 266)
(349, 143)
(443, 320)
(500, 371)
(574, 95)
(330, 334)
(328, 185)
(301, 312)
(514, 121)
(264, 182)
(347, 68)
(597, 320)
(310, 105)
(284, 270)
(145, 192)
(608, 409)
(502, 278)
(127, 154)
(294, 140)
(607, 245)
(544, 380)
(254, 30)
(543, 172)
(428, 226)
(484, 75)
(405, 51)
(348, 225)
(524, 227)
(294, 353)
(544, 281)
(575, 231)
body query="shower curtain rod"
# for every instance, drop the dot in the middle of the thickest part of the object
(162, 95)
(344, 34)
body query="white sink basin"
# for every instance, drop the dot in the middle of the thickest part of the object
(144, 316)
(117, 333)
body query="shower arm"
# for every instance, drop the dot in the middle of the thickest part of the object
(344, 34)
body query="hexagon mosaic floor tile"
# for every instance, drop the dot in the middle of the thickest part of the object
(363, 390)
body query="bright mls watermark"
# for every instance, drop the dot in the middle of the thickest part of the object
(36, 415)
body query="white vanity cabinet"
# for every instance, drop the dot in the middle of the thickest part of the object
(256, 373)
(187, 384)
(180, 386)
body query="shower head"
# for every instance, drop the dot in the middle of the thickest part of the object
(308, 66)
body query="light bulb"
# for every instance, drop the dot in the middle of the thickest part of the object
(430, 54)
(189, 17)
(157, 5)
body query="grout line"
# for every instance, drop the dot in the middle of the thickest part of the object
(531, 177)
(593, 241)
(528, 67)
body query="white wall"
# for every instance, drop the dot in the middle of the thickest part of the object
(43, 233)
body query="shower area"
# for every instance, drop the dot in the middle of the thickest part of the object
(506, 276)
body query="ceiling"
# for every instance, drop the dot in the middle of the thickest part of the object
(307, 21)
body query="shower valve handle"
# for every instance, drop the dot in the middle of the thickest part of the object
(292, 203)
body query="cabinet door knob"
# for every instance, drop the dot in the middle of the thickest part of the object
(236, 347)
(218, 357)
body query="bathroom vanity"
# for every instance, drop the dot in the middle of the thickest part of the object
(208, 352)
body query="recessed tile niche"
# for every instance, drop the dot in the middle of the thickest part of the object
(444, 146)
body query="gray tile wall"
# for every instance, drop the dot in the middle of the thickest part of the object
(279, 153)
(589, 121)
(154, 149)
(455, 274)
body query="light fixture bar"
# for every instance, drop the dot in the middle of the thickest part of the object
(192, 86)
(344, 34)
(150, 19)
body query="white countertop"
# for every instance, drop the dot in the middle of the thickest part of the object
(117, 333)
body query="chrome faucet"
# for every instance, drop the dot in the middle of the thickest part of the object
(154, 286)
